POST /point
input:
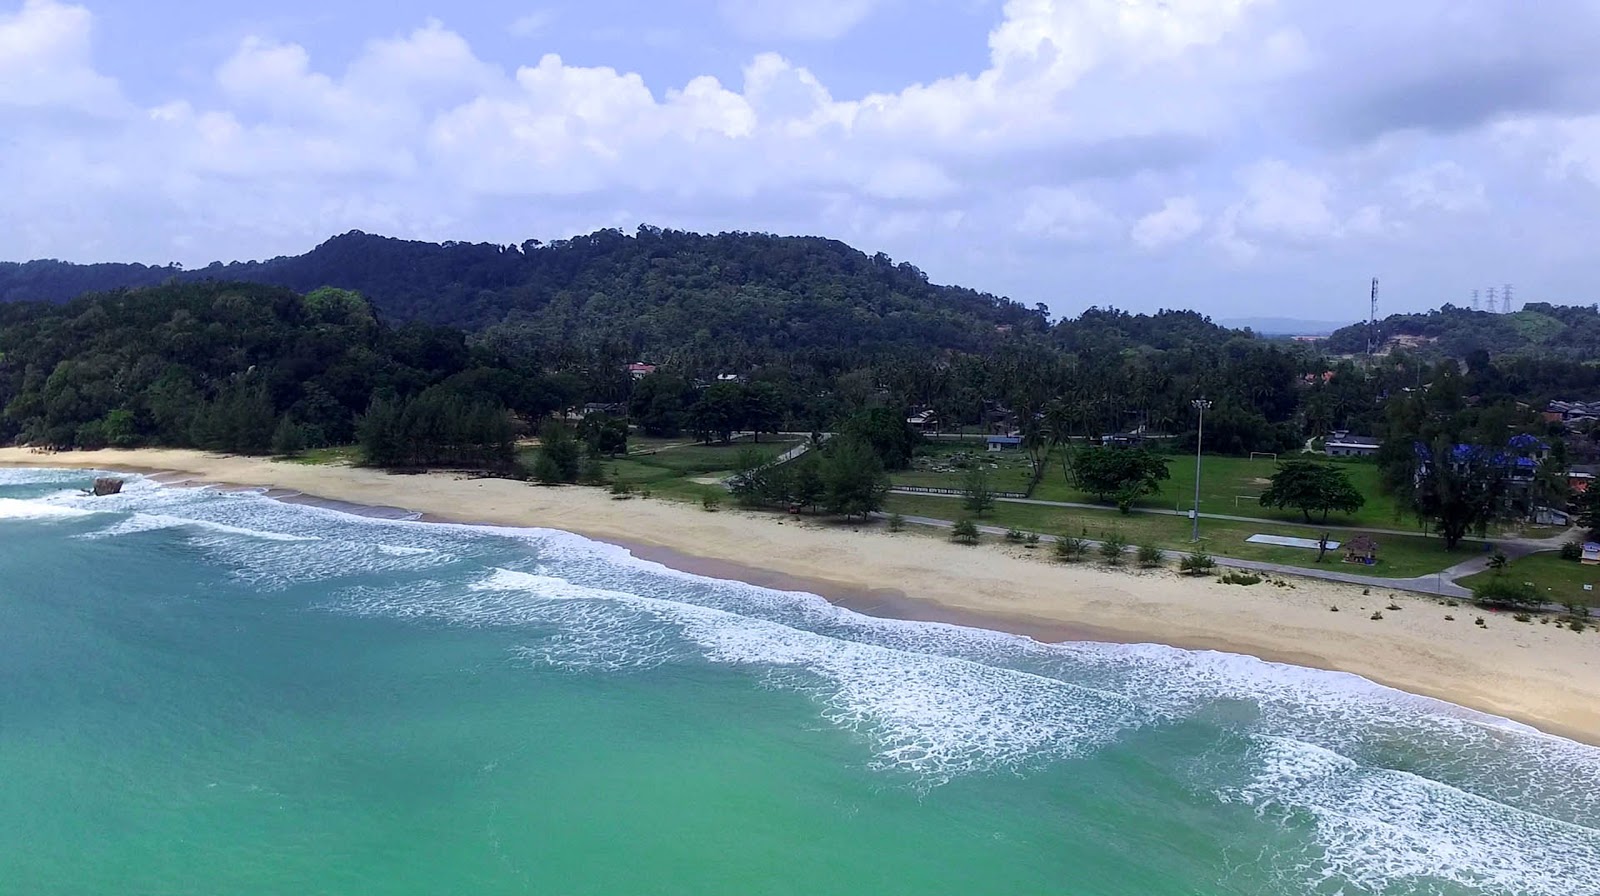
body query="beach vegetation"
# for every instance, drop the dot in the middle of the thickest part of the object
(1150, 556)
(1113, 548)
(560, 457)
(896, 522)
(289, 438)
(710, 502)
(1197, 563)
(964, 531)
(852, 477)
(1031, 541)
(1240, 578)
(441, 427)
(1071, 548)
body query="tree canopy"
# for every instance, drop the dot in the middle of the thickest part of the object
(1312, 487)
(1122, 474)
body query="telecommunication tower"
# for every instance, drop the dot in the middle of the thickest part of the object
(1474, 300)
(1372, 319)
(1494, 299)
(1506, 297)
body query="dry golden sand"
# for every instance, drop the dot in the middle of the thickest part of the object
(1545, 676)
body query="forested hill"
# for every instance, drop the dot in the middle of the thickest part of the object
(1539, 329)
(656, 289)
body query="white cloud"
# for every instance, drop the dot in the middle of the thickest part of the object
(45, 60)
(532, 23)
(1177, 220)
(1445, 186)
(1134, 125)
(1281, 204)
(1060, 214)
(810, 20)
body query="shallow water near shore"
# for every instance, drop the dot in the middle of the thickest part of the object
(205, 692)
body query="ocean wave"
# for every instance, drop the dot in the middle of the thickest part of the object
(152, 522)
(1377, 827)
(931, 714)
(1395, 787)
(26, 509)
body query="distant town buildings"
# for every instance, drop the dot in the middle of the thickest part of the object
(1343, 444)
(640, 371)
(1572, 412)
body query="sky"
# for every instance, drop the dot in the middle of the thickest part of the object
(1239, 157)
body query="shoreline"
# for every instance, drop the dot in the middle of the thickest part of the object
(1529, 673)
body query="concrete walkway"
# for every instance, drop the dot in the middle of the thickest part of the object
(1440, 584)
(1158, 511)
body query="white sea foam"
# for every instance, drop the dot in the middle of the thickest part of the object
(1397, 788)
(1378, 827)
(153, 522)
(23, 509)
(928, 713)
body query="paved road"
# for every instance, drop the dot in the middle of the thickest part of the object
(1183, 513)
(1441, 584)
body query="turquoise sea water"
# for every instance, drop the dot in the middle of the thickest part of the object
(206, 693)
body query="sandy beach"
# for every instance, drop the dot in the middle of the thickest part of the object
(1542, 675)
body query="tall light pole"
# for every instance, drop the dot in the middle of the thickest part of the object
(1201, 405)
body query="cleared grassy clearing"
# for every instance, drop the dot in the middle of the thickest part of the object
(947, 465)
(673, 472)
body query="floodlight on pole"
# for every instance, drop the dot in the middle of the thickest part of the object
(1201, 405)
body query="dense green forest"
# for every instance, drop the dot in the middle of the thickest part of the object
(667, 294)
(234, 367)
(1541, 330)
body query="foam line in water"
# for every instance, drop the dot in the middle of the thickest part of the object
(23, 509)
(929, 713)
(1378, 827)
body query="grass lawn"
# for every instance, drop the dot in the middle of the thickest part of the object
(1223, 480)
(1399, 556)
(340, 454)
(672, 472)
(935, 466)
(1559, 581)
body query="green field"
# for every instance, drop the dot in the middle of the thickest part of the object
(1399, 556)
(1558, 581)
(673, 472)
(340, 454)
(1229, 485)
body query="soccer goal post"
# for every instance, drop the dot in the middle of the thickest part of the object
(1238, 498)
(1256, 455)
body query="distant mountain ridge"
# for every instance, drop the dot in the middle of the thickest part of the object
(1539, 329)
(652, 287)
(1282, 326)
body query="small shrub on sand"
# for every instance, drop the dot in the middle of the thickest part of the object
(1198, 563)
(964, 532)
(1113, 548)
(1071, 548)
